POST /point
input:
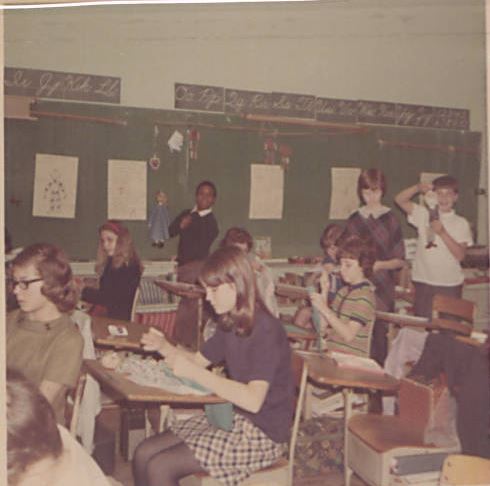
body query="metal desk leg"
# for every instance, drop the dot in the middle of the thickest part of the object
(199, 322)
(348, 395)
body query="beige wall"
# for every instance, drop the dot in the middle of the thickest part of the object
(415, 51)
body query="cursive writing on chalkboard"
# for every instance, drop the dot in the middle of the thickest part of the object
(293, 105)
(197, 97)
(433, 117)
(336, 110)
(241, 101)
(413, 115)
(234, 101)
(376, 112)
(69, 86)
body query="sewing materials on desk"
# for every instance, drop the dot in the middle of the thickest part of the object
(156, 373)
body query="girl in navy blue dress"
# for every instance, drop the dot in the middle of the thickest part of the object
(254, 348)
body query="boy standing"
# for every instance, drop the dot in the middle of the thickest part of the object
(197, 229)
(442, 240)
(436, 268)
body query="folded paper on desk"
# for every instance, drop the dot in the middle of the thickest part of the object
(350, 361)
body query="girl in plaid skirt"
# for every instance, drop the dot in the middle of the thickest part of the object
(254, 348)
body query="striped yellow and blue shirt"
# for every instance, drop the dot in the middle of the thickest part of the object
(354, 303)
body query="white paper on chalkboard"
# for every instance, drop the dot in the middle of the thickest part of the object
(266, 191)
(343, 194)
(126, 189)
(55, 186)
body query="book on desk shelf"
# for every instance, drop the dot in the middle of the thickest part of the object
(350, 361)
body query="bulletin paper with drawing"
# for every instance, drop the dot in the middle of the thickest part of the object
(126, 189)
(55, 186)
(266, 191)
(343, 199)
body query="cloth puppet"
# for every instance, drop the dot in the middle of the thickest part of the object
(159, 220)
(430, 200)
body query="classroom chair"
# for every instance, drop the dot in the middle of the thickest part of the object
(376, 441)
(280, 473)
(87, 391)
(446, 309)
(136, 299)
(461, 470)
(73, 405)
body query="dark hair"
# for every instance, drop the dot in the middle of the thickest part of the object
(445, 182)
(209, 184)
(331, 235)
(371, 179)
(231, 265)
(32, 433)
(237, 235)
(54, 268)
(125, 252)
(359, 249)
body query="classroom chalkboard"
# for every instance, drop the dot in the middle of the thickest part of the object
(224, 150)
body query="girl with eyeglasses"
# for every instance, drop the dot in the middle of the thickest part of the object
(41, 340)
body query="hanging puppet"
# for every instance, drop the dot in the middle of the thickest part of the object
(430, 200)
(159, 220)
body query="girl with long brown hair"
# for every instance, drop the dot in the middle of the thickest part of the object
(254, 347)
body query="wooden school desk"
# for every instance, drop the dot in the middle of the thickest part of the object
(323, 371)
(102, 336)
(121, 388)
(125, 389)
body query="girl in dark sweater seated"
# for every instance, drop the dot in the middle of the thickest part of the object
(254, 348)
(120, 270)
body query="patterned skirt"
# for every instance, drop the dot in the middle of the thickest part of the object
(230, 457)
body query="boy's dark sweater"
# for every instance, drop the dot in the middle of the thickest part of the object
(196, 239)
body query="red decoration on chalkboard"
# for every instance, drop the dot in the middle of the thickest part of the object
(285, 152)
(194, 137)
(270, 149)
(16, 202)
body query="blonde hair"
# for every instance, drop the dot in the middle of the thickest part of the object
(125, 252)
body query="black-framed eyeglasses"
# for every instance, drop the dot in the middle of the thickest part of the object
(23, 284)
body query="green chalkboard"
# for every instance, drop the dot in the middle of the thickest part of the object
(226, 148)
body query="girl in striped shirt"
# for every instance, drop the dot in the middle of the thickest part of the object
(347, 322)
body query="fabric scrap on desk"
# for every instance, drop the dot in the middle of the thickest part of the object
(150, 372)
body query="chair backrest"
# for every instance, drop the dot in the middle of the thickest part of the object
(461, 470)
(135, 303)
(299, 369)
(450, 312)
(76, 397)
(416, 403)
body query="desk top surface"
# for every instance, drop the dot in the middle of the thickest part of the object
(435, 324)
(323, 370)
(126, 389)
(102, 336)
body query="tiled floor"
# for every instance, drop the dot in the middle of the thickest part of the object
(123, 468)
